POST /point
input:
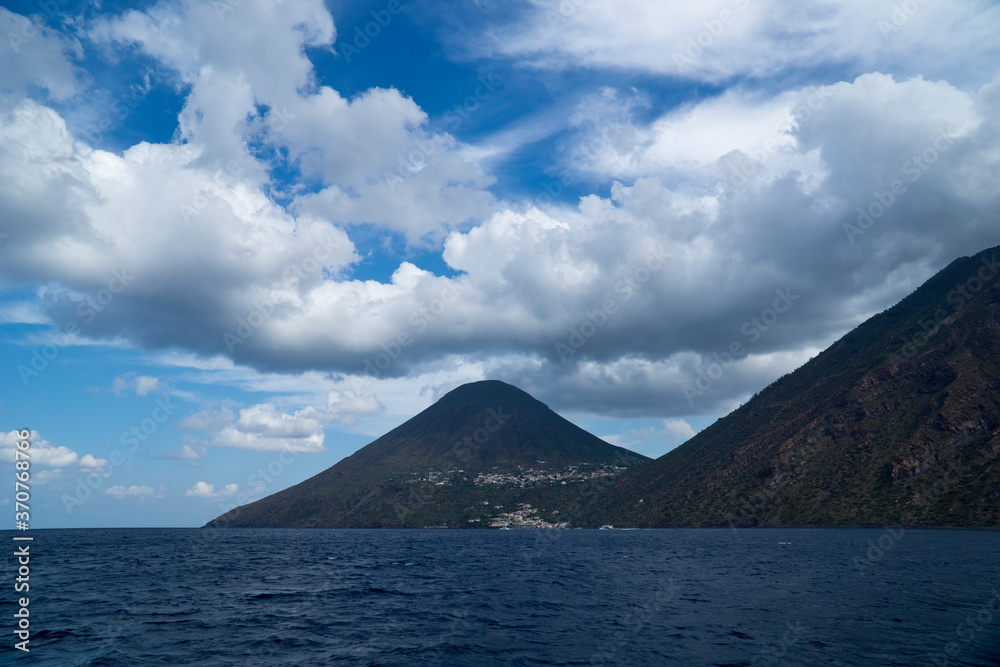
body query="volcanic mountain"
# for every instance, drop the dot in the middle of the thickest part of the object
(898, 422)
(484, 450)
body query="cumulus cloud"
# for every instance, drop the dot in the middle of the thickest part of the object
(43, 452)
(704, 217)
(88, 461)
(660, 267)
(206, 490)
(370, 154)
(138, 230)
(36, 55)
(346, 406)
(264, 427)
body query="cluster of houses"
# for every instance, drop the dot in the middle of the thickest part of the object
(525, 516)
(520, 477)
(524, 478)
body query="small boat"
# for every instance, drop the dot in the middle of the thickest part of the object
(607, 526)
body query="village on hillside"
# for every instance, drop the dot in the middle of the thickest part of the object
(521, 478)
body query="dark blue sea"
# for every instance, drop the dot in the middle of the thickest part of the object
(476, 597)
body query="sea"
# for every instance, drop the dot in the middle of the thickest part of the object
(742, 597)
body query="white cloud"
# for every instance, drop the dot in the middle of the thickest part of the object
(192, 234)
(206, 490)
(529, 276)
(35, 55)
(189, 35)
(119, 385)
(379, 167)
(143, 385)
(677, 431)
(685, 145)
(718, 40)
(265, 428)
(121, 492)
(22, 312)
(88, 461)
(653, 441)
(41, 451)
(375, 162)
(346, 406)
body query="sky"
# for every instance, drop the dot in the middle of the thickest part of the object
(241, 239)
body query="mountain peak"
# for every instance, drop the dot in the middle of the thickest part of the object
(489, 391)
(487, 430)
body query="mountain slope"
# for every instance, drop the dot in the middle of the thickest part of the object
(425, 471)
(897, 422)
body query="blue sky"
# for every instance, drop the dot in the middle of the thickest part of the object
(239, 240)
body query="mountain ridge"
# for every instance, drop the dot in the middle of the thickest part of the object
(896, 422)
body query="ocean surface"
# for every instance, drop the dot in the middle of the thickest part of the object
(477, 597)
